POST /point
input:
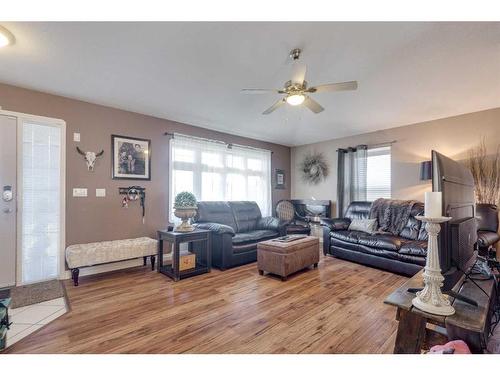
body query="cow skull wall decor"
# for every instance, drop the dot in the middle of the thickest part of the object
(90, 157)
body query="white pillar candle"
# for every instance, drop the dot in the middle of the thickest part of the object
(433, 204)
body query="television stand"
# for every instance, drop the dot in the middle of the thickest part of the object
(469, 323)
(449, 293)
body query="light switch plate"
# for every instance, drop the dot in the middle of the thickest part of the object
(79, 192)
(76, 137)
(100, 193)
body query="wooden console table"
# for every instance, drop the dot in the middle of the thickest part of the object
(469, 323)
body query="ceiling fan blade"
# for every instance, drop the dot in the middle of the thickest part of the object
(272, 108)
(340, 86)
(313, 105)
(299, 73)
(259, 91)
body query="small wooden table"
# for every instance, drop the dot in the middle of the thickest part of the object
(469, 323)
(203, 253)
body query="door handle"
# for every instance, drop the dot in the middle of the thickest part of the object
(7, 210)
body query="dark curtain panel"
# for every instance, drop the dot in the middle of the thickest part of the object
(351, 176)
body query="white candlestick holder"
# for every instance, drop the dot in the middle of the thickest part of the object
(431, 299)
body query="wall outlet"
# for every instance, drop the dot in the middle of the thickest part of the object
(79, 192)
(100, 193)
(76, 137)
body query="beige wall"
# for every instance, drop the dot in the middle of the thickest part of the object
(452, 136)
(97, 219)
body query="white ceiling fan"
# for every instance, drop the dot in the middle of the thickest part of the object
(296, 89)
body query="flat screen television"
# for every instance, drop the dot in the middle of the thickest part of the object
(458, 236)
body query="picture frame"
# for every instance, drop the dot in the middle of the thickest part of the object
(279, 179)
(130, 158)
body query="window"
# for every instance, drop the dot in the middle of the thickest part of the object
(378, 173)
(41, 200)
(212, 171)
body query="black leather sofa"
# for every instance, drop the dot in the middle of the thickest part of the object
(404, 254)
(487, 223)
(237, 228)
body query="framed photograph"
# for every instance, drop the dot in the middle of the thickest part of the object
(279, 178)
(131, 158)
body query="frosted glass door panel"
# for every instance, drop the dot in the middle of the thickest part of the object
(41, 181)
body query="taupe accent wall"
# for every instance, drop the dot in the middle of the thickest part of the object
(97, 219)
(452, 136)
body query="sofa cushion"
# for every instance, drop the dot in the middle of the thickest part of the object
(215, 212)
(412, 228)
(416, 248)
(358, 210)
(246, 214)
(364, 225)
(380, 241)
(253, 236)
(351, 236)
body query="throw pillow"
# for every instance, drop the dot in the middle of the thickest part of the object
(364, 225)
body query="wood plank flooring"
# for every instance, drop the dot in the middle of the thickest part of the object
(337, 308)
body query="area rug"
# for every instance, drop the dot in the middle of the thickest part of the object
(36, 293)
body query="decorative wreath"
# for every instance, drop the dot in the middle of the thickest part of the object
(314, 168)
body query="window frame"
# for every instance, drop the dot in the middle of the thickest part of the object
(381, 150)
(197, 167)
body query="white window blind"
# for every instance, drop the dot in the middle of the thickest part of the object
(41, 184)
(212, 172)
(378, 174)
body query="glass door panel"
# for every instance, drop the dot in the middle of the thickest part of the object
(41, 202)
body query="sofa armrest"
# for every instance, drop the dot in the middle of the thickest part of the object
(336, 224)
(216, 228)
(270, 223)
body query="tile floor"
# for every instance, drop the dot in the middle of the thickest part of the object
(27, 319)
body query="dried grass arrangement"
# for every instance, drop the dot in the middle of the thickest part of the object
(314, 168)
(486, 172)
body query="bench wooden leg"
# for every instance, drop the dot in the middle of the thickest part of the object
(153, 259)
(144, 259)
(411, 333)
(74, 274)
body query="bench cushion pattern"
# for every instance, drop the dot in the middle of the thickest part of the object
(91, 254)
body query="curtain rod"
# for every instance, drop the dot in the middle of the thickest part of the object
(229, 145)
(369, 146)
(382, 144)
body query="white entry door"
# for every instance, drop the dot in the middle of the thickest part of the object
(41, 181)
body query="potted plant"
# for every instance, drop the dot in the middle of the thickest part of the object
(185, 206)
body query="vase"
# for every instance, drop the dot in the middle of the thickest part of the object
(184, 213)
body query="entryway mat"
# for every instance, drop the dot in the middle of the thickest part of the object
(35, 293)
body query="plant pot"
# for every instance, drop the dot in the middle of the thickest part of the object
(184, 213)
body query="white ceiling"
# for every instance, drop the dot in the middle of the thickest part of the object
(192, 72)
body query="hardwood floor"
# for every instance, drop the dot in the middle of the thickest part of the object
(337, 308)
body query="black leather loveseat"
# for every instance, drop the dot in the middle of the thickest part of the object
(403, 253)
(487, 227)
(237, 228)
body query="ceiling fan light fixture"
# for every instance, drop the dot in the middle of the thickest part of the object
(6, 37)
(295, 99)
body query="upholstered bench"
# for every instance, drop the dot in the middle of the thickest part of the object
(93, 254)
(285, 258)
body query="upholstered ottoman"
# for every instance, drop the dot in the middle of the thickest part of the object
(285, 258)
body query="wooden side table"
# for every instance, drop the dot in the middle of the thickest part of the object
(469, 323)
(203, 253)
